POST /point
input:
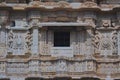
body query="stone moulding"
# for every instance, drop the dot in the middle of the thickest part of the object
(59, 5)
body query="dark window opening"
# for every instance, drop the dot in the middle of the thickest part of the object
(22, 1)
(61, 39)
(27, 1)
(12, 24)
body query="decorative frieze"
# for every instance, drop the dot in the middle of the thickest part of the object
(34, 14)
(34, 66)
(61, 66)
(17, 68)
(107, 68)
(46, 66)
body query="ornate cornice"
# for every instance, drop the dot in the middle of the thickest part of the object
(60, 5)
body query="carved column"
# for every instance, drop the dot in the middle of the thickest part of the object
(3, 42)
(119, 43)
(3, 32)
(35, 25)
(43, 39)
(89, 47)
(82, 35)
(35, 41)
(80, 48)
(50, 40)
(73, 41)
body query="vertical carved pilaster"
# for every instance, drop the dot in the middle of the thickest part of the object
(73, 41)
(78, 43)
(3, 42)
(119, 43)
(82, 42)
(35, 42)
(50, 40)
(89, 47)
(44, 42)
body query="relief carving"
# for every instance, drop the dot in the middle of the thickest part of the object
(3, 20)
(36, 3)
(108, 24)
(89, 4)
(61, 66)
(63, 4)
(2, 42)
(17, 43)
(105, 43)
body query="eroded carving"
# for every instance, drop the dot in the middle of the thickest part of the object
(61, 66)
(18, 43)
(105, 43)
(89, 4)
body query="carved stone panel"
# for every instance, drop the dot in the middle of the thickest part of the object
(105, 43)
(47, 66)
(34, 66)
(61, 66)
(18, 42)
(17, 68)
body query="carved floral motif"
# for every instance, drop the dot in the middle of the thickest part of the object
(18, 43)
(105, 42)
(61, 66)
(89, 4)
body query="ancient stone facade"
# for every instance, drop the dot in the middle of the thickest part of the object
(59, 39)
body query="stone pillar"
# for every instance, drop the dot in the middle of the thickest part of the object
(118, 43)
(3, 41)
(35, 42)
(73, 41)
(89, 47)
